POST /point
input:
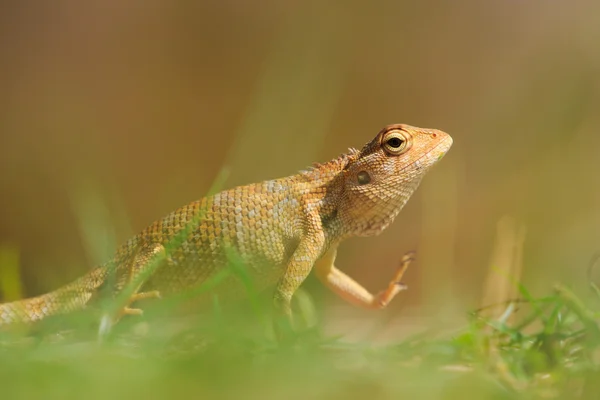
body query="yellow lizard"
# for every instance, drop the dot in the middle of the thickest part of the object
(281, 230)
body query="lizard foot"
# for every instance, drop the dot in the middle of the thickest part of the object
(107, 321)
(396, 285)
(154, 294)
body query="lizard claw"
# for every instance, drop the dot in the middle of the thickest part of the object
(131, 311)
(154, 294)
(409, 256)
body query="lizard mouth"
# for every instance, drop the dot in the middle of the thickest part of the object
(440, 149)
(443, 147)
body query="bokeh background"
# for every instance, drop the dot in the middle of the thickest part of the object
(114, 113)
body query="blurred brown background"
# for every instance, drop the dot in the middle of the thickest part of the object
(114, 113)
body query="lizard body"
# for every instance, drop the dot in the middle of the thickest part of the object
(281, 229)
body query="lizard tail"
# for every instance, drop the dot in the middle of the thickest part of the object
(71, 297)
(36, 308)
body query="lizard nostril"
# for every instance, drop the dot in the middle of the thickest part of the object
(434, 135)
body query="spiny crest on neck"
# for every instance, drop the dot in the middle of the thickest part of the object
(336, 165)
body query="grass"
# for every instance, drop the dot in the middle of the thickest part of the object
(537, 348)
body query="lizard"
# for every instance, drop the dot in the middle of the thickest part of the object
(281, 229)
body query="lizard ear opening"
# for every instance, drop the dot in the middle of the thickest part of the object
(363, 178)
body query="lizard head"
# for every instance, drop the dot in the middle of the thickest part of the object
(380, 179)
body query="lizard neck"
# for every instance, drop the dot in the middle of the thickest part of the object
(326, 191)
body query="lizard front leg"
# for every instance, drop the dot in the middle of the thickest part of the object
(299, 266)
(353, 292)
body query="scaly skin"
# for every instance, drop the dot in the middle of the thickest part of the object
(281, 229)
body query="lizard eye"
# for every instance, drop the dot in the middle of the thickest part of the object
(396, 142)
(363, 178)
